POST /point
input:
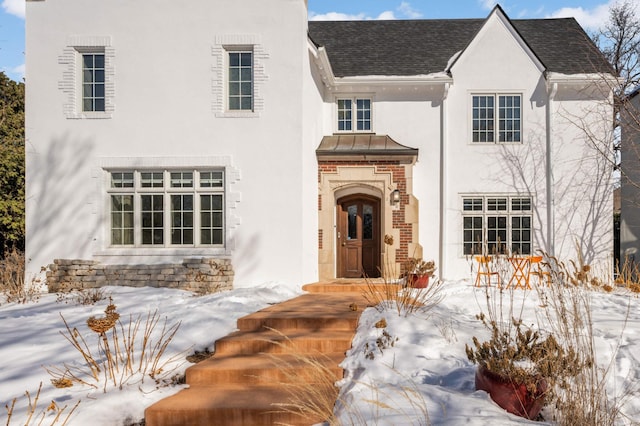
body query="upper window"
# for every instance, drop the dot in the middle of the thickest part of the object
(496, 225)
(240, 81)
(93, 82)
(162, 208)
(499, 121)
(354, 115)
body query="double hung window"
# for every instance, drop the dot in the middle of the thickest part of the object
(496, 121)
(496, 225)
(354, 115)
(160, 208)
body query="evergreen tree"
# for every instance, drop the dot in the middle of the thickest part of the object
(12, 159)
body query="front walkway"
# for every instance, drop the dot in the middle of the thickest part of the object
(266, 362)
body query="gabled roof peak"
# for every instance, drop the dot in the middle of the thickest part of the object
(426, 46)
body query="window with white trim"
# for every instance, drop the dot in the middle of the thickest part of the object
(354, 114)
(496, 225)
(166, 208)
(93, 81)
(499, 121)
(240, 80)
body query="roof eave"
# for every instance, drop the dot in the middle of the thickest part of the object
(403, 157)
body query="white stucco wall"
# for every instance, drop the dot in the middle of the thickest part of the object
(168, 88)
(165, 111)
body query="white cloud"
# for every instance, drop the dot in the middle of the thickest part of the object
(14, 7)
(487, 4)
(408, 11)
(405, 10)
(388, 15)
(18, 71)
(336, 16)
(593, 18)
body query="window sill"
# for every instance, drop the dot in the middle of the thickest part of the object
(163, 251)
(354, 132)
(90, 115)
(238, 114)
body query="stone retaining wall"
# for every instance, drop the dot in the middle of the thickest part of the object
(201, 275)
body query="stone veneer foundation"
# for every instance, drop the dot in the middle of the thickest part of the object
(201, 275)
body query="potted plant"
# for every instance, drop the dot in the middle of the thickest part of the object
(519, 367)
(418, 272)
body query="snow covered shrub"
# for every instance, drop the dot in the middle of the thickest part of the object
(519, 353)
(12, 285)
(52, 415)
(392, 295)
(123, 353)
(584, 398)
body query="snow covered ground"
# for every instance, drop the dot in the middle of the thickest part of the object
(424, 373)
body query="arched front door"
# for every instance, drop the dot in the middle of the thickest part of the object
(358, 236)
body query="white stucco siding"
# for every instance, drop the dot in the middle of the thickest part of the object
(493, 168)
(582, 176)
(166, 75)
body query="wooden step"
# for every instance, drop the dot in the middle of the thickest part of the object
(263, 369)
(296, 341)
(266, 364)
(228, 405)
(308, 312)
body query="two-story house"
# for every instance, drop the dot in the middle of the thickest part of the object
(237, 130)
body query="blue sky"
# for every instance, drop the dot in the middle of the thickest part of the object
(590, 13)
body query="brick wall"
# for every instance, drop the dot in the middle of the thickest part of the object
(201, 275)
(399, 178)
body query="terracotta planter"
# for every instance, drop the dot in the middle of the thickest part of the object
(513, 397)
(417, 280)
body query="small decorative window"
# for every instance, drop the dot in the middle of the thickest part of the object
(501, 122)
(93, 82)
(240, 81)
(354, 115)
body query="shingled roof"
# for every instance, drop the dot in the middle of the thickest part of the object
(420, 47)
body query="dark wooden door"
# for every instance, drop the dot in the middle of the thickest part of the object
(358, 236)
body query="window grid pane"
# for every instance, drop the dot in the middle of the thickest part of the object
(483, 118)
(152, 218)
(472, 204)
(182, 179)
(211, 180)
(241, 81)
(151, 179)
(521, 234)
(211, 219)
(122, 230)
(121, 179)
(509, 118)
(363, 114)
(497, 234)
(472, 231)
(344, 114)
(93, 81)
(182, 219)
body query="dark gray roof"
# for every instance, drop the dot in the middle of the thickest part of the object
(363, 146)
(417, 47)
